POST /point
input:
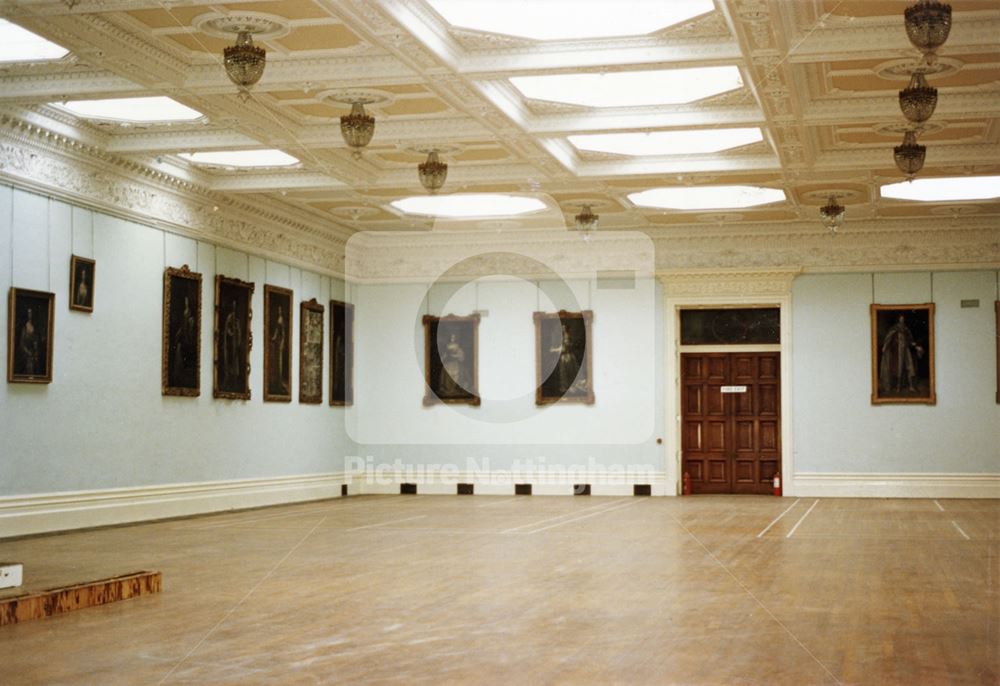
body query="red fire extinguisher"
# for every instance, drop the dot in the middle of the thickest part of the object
(687, 484)
(777, 484)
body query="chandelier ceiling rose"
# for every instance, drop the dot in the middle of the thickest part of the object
(364, 96)
(261, 26)
(822, 196)
(895, 129)
(902, 69)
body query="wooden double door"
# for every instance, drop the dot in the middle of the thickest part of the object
(731, 421)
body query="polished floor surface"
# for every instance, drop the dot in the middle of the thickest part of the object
(530, 590)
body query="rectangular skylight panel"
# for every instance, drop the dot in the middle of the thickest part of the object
(706, 197)
(631, 88)
(569, 19)
(241, 158)
(147, 110)
(699, 141)
(945, 189)
(21, 45)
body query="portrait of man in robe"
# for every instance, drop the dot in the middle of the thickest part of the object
(903, 354)
(232, 338)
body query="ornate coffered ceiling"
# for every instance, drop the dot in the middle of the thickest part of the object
(820, 80)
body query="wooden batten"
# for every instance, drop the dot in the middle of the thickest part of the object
(56, 601)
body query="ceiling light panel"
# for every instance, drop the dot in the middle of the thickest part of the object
(469, 205)
(21, 45)
(706, 197)
(241, 158)
(569, 19)
(631, 88)
(156, 109)
(667, 142)
(945, 189)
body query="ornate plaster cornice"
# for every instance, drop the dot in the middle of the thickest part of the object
(40, 160)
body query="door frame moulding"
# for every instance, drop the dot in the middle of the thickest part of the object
(721, 288)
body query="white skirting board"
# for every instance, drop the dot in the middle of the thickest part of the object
(42, 513)
(34, 514)
(894, 485)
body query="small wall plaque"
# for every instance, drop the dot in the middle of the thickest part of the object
(734, 389)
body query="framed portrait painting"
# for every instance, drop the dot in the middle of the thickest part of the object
(903, 354)
(232, 338)
(277, 351)
(451, 365)
(564, 357)
(181, 357)
(81, 283)
(30, 334)
(341, 353)
(311, 352)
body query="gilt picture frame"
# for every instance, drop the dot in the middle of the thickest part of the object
(451, 360)
(233, 338)
(341, 353)
(30, 336)
(564, 368)
(902, 354)
(311, 315)
(277, 344)
(81, 283)
(180, 366)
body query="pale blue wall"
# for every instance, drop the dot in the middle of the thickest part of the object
(837, 429)
(619, 429)
(102, 422)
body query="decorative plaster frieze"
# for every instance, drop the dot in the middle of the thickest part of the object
(733, 283)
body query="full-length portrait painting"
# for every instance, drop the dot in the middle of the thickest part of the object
(232, 338)
(451, 367)
(563, 357)
(30, 333)
(341, 353)
(181, 356)
(81, 283)
(903, 354)
(277, 348)
(311, 352)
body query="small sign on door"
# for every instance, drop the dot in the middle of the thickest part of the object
(734, 389)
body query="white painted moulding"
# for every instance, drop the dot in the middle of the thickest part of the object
(41, 513)
(894, 485)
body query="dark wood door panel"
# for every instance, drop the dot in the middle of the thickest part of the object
(731, 442)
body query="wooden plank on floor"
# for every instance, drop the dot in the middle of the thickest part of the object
(56, 601)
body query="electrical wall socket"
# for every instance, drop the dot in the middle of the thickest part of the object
(11, 574)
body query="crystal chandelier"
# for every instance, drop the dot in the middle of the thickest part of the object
(927, 25)
(832, 214)
(432, 172)
(586, 222)
(910, 156)
(918, 99)
(244, 62)
(357, 128)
